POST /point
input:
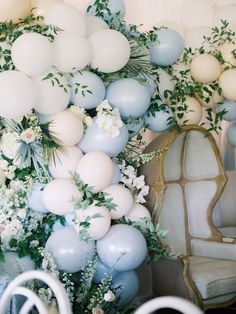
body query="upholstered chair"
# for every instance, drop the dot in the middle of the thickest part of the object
(186, 183)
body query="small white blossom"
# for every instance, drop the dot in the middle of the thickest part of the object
(28, 136)
(109, 296)
(3, 164)
(88, 120)
(10, 144)
(139, 182)
(104, 106)
(17, 185)
(97, 310)
(113, 132)
(104, 122)
(21, 213)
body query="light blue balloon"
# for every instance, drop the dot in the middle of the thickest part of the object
(129, 96)
(96, 139)
(117, 175)
(70, 253)
(230, 107)
(101, 272)
(44, 118)
(160, 121)
(126, 286)
(168, 47)
(35, 201)
(135, 126)
(231, 134)
(123, 248)
(93, 92)
(115, 6)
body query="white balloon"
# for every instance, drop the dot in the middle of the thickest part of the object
(17, 94)
(197, 13)
(177, 27)
(110, 50)
(96, 170)
(122, 197)
(51, 98)
(226, 13)
(99, 225)
(139, 214)
(94, 24)
(166, 83)
(67, 18)
(67, 127)
(12, 11)
(227, 82)
(32, 53)
(58, 196)
(227, 51)
(221, 3)
(71, 51)
(194, 37)
(193, 114)
(65, 162)
(41, 7)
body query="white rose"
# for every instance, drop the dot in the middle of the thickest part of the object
(9, 144)
(28, 136)
(109, 296)
(16, 185)
(97, 310)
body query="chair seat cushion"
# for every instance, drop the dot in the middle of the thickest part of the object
(228, 232)
(213, 277)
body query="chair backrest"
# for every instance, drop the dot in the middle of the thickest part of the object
(186, 182)
(16, 287)
(176, 303)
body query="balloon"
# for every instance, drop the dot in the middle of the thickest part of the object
(226, 13)
(227, 51)
(14, 265)
(35, 201)
(96, 170)
(94, 24)
(51, 98)
(126, 286)
(99, 220)
(58, 196)
(175, 26)
(205, 68)
(231, 134)
(129, 96)
(17, 94)
(122, 198)
(95, 139)
(139, 214)
(193, 114)
(230, 107)
(9, 11)
(159, 121)
(67, 127)
(115, 7)
(70, 253)
(101, 272)
(67, 18)
(71, 51)
(194, 37)
(41, 7)
(168, 48)
(110, 50)
(166, 83)
(123, 248)
(65, 162)
(227, 82)
(117, 175)
(32, 53)
(92, 95)
(197, 13)
(135, 126)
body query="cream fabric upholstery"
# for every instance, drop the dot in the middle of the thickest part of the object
(213, 277)
(228, 232)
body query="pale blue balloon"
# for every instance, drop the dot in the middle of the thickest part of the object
(135, 126)
(123, 248)
(70, 253)
(159, 121)
(168, 48)
(126, 286)
(101, 272)
(35, 201)
(96, 139)
(117, 175)
(87, 90)
(115, 6)
(231, 134)
(230, 107)
(129, 96)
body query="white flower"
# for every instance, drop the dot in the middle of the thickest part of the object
(109, 296)
(139, 182)
(21, 213)
(88, 120)
(117, 122)
(113, 132)
(104, 106)
(10, 144)
(28, 136)
(17, 185)
(104, 122)
(3, 164)
(9, 175)
(145, 190)
(97, 310)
